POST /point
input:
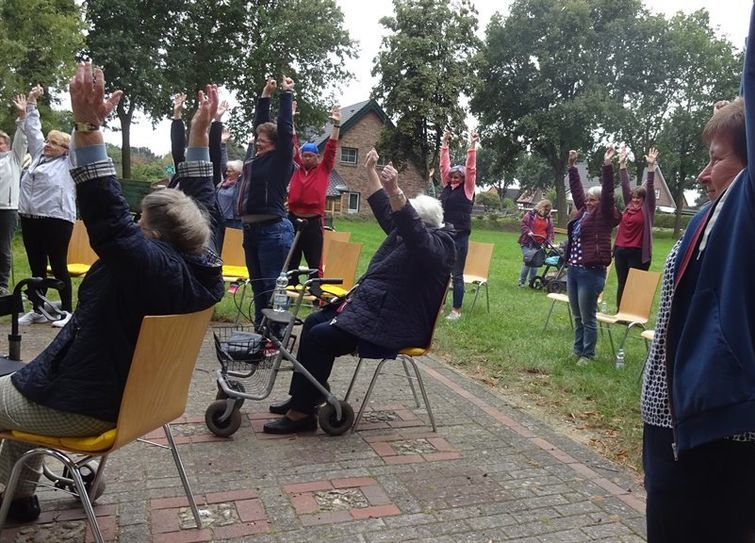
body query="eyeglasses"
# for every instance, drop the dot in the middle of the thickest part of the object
(48, 142)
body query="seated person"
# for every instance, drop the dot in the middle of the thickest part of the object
(395, 304)
(157, 267)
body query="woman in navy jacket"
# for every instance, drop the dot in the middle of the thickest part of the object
(160, 266)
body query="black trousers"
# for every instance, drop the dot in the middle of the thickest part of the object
(319, 344)
(707, 495)
(625, 258)
(8, 222)
(47, 239)
(310, 244)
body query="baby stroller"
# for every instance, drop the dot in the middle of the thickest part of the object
(553, 275)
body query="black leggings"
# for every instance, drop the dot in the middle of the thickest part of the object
(48, 239)
(625, 258)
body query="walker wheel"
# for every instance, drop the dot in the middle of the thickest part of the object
(555, 286)
(330, 424)
(537, 283)
(233, 385)
(88, 472)
(222, 428)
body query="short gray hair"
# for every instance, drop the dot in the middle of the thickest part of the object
(177, 219)
(235, 165)
(429, 210)
(595, 192)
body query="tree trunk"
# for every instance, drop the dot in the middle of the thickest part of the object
(563, 213)
(678, 213)
(125, 116)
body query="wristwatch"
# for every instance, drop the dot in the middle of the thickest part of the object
(85, 127)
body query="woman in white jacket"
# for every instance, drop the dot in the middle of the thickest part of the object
(47, 207)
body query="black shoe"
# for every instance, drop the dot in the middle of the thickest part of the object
(287, 426)
(280, 408)
(24, 510)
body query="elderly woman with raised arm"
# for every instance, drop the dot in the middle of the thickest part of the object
(588, 252)
(160, 266)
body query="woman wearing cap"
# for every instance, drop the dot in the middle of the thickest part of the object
(457, 198)
(307, 192)
(47, 208)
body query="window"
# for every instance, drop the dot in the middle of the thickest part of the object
(353, 202)
(349, 155)
(657, 193)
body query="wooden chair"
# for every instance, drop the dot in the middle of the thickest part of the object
(80, 256)
(332, 235)
(636, 304)
(156, 392)
(477, 266)
(234, 261)
(564, 298)
(648, 336)
(341, 261)
(407, 356)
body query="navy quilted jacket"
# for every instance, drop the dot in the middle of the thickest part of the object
(398, 298)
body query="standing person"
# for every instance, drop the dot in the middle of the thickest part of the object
(227, 193)
(634, 240)
(268, 166)
(307, 193)
(47, 207)
(588, 252)
(457, 198)
(11, 160)
(699, 381)
(536, 228)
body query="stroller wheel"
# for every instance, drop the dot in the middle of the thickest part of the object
(233, 385)
(537, 283)
(213, 419)
(556, 286)
(330, 424)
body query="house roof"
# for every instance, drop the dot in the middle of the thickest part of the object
(350, 115)
(336, 185)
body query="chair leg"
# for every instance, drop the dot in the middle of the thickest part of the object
(424, 392)
(182, 474)
(476, 293)
(78, 483)
(411, 381)
(367, 395)
(610, 338)
(487, 296)
(548, 318)
(353, 379)
(97, 478)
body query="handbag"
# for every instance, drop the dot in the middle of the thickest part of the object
(533, 255)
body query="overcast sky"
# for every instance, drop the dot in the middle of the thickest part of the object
(362, 21)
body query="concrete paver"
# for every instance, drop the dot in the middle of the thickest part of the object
(490, 474)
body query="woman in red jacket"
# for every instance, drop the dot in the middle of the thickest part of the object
(634, 240)
(588, 252)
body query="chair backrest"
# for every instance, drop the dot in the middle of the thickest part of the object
(332, 235)
(341, 262)
(608, 273)
(233, 247)
(639, 293)
(478, 259)
(158, 381)
(79, 249)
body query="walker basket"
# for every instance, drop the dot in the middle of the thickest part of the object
(238, 347)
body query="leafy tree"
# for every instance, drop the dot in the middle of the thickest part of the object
(38, 43)
(424, 68)
(489, 200)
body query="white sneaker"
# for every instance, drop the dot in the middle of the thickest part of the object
(60, 323)
(32, 317)
(453, 315)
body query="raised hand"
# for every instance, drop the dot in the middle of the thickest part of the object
(335, 114)
(88, 102)
(651, 157)
(446, 137)
(222, 108)
(719, 105)
(623, 156)
(20, 104)
(287, 84)
(609, 154)
(35, 92)
(372, 158)
(572, 158)
(270, 86)
(474, 137)
(389, 179)
(207, 104)
(225, 136)
(178, 104)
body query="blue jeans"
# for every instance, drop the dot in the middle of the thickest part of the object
(461, 241)
(265, 249)
(525, 271)
(583, 286)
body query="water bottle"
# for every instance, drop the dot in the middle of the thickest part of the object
(280, 298)
(620, 359)
(603, 307)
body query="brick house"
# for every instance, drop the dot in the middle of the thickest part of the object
(361, 124)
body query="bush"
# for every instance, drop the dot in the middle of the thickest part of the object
(667, 220)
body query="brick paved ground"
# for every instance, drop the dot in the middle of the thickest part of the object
(490, 474)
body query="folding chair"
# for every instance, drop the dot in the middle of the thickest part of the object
(477, 266)
(636, 304)
(564, 298)
(234, 261)
(332, 235)
(80, 256)
(407, 356)
(341, 261)
(156, 392)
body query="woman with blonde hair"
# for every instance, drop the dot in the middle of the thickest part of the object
(537, 228)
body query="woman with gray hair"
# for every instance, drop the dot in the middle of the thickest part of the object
(394, 305)
(588, 252)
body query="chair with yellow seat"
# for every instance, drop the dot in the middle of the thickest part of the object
(234, 261)
(558, 297)
(477, 267)
(80, 256)
(636, 304)
(648, 336)
(332, 235)
(156, 392)
(341, 261)
(406, 356)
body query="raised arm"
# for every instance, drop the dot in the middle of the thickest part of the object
(445, 159)
(178, 131)
(262, 113)
(285, 145)
(607, 200)
(626, 190)
(470, 169)
(376, 196)
(651, 159)
(329, 154)
(575, 183)
(19, 139)
(748, 83)
(33, 123)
